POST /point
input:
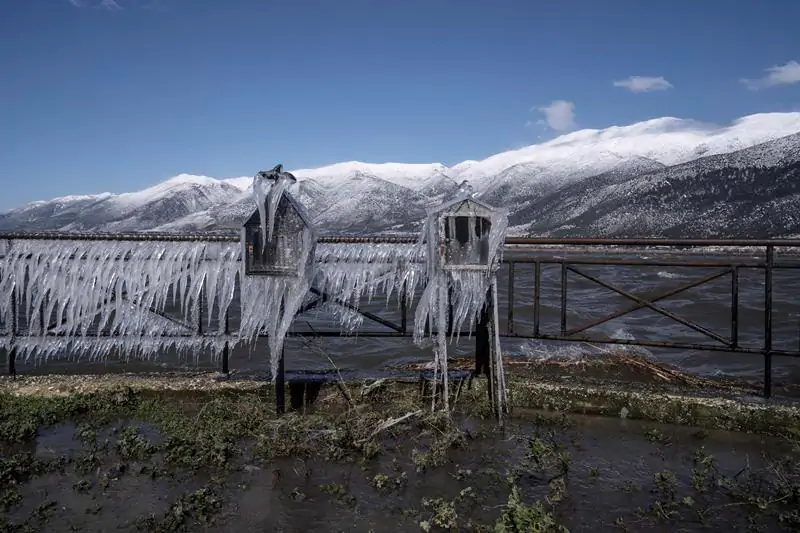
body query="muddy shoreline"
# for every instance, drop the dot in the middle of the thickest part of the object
(206, 452)
(635, 385)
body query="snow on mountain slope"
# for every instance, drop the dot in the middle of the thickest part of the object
(364, 197)
(754, 192)
(407, 175)
(666, 140)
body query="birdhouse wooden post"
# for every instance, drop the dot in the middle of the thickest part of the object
(278, 241)
(464, 238)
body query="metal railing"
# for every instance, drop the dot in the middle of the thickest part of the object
(533, 251)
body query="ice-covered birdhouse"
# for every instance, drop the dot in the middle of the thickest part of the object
(278, 238)
(468, 232)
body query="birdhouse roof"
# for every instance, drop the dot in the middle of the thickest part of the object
(254, 220)
(460, 203)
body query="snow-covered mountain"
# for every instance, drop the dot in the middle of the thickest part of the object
(613, 181)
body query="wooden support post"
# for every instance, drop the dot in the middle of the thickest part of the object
(12, 352)
(280, 387)
(483, 344)
(226, 347)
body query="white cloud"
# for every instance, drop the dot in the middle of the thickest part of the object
(778, 75)
(110, 5)
(644, 84)
(559, 115)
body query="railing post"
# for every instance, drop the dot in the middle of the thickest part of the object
(12, 352)
(510, 321)
(280, 378)
(735, 307)
(483, 345)
(226, 346)
(403, 310)
(563, 299)
(280, 387)
(537, 284)
(449, 328)
(770, 261)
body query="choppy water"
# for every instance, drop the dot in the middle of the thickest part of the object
(708, 306)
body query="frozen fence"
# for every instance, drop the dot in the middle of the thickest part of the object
(61, 297)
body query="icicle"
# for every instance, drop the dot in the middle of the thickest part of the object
(274, 197)
(441, 348)
(465, 190)
(270, 303)
(261, 188)
(89, 291)
(349, 272)
(268, 188)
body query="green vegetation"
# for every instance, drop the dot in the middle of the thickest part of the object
(170, 461)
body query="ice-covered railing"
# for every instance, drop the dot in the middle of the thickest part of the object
(107, 297)
(97, 297)
(350, 272)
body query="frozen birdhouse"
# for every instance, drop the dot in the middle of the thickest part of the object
(467, 231)
(278, 238)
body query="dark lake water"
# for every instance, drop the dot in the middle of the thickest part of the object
(708, 306)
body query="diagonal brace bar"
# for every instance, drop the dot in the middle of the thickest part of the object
(55, 323)
(150, 310)
(316, 302)
(658, 298)
(649, 305)
(375, 318)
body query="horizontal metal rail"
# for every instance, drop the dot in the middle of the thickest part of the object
(402, 239)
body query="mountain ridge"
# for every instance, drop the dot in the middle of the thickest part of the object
(544, 186)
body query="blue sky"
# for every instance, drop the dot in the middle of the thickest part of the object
(122, 96)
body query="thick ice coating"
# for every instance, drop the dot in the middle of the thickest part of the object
(270, 303)
(104, 296)
(100, 298)
(463, 239)
(349, 272)
(268, 188)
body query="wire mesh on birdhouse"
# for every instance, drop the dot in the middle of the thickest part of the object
(289, 251)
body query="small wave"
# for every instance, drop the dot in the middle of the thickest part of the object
(537, 350)
(668, 275)
(578, 351)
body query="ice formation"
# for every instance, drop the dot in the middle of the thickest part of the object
(100, 296)
(270, 302)
(348, 272)
(461, 269)
(268, 189)
(106, 297)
